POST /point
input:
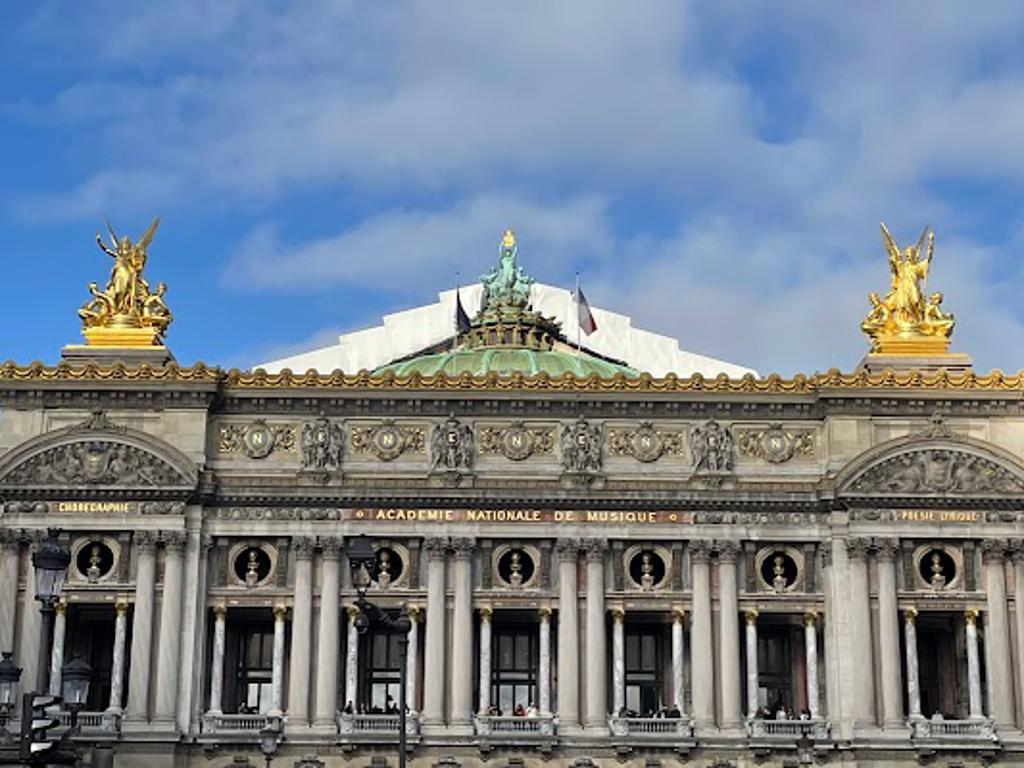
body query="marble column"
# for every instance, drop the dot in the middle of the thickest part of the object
(352, 660)
(10, 554)
(811, 662)
(168, 651)
(485, 660)
(328, 631)
(618, 661)
(753, 681)
(913, 679)
(277, 670)
(568, 635)
(973, 665)
(729, 637)
(678, 654)
(60, 623)
(1018, 597)
(117, 663)
(861, 645)
(411, 656)
(302, 634)
(144, 545)
(434, 651)
(217, 661)
(462, 633)
(597, 653)
(997, 635)
(701, 645)
(544, 669)
(30, 632)
(889, 636)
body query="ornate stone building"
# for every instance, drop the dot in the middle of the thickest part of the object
(602, 567)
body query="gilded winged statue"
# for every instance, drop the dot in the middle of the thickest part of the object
(127, 302)
(905, 312)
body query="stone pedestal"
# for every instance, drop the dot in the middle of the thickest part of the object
(953, 362)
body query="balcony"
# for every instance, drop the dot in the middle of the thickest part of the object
(498, 730)
(629, 732)
(787, 731)
(242, 725)
(952, 734)
(93, 723)
(376, 729)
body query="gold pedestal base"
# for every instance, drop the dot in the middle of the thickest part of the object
(122, 338)
(916, 346)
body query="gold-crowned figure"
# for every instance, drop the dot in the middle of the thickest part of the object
(905, 321)
(127, 313)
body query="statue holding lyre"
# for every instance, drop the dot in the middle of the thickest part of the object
(904, 321)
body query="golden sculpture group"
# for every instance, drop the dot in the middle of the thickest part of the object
(126, 313)
(904, 321)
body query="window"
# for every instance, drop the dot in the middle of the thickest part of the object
(774, 668)
(381, 676)
(255, 662)
(90, 635)
(513, 668)
(643, 671)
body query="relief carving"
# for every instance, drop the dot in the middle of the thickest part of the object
(257, 440)
(94, 462)
(581, 446)
(322, 443)
(937, 470)
(712, 447)
(516, 442)
(775, 444)
(452, 446)
(645, 443)
(387, 441)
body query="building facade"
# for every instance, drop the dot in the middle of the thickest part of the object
(600, 569)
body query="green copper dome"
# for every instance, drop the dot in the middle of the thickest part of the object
(507, 336)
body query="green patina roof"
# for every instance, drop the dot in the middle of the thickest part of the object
(505, 360)
(507, 336)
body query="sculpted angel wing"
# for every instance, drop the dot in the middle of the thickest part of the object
(921, 240)
(147, 236)
(113, 235)
(890, 245)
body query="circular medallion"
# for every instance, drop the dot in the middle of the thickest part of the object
(776, 445)
(259, 441)
(387, 442)
(647, 444)
(517, 443)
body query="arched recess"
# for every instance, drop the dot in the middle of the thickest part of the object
(97, 458)
(922, 467)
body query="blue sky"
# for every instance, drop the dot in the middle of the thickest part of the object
(717, 170)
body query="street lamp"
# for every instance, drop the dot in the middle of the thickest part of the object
(10, 673)
(77, 676)
(269, 736)
(50, 562)
(362, 561)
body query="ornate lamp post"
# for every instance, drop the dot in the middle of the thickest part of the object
(76, 679)
(10, 674)
(362, 560)
(50, 562)
(269, 737)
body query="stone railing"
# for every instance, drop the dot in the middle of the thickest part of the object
(370, 725)
(789, 730)
(92, 722)
(226, 724)
(651, 727)
(514, 727)
(980, 729)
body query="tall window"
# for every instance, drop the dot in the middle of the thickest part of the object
(643, 671)
(513, 668)
(382, 675)
(774, 668)
(90, 635)
(254, 670)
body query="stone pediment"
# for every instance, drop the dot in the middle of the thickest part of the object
(933, 466)
(97, 455)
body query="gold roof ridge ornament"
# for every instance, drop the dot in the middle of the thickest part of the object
(907, 322)
(127, 315)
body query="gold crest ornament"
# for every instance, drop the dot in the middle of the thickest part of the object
(906, 321)
(127, 313)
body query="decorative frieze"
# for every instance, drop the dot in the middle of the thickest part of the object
(452, 446)
(387, 441)
(516, 442)
(275, 513)
(94, 462)
(711, 446)
(581, 446)
(257, 440)
(938, 470)
(322, 444)
(775, 444)
(645, 443)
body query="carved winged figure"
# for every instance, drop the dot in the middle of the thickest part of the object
(451, 446)
(712, 447)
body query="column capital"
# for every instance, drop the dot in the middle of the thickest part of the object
(413, 612)
(544, 612)
(331, 547)
(810, 618)
(173, 541)
(61, 608)
(885, 549)
(595, 549)
(121, 607)
(727, 551)
(436, 546)
(568, 550)
(280, 611)
(858, 548)
(751, 616)
(486, 612)
(352, 611)
(910, 614)
(144, 542)
(971, 616)
(678, 614)
(994, 550)
(219, 611)
(302, 547)
(463, 547)
(9, 538)
(700, 551)
(618, 613)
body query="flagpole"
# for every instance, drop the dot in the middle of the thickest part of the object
(579, 328)
(455, 320)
